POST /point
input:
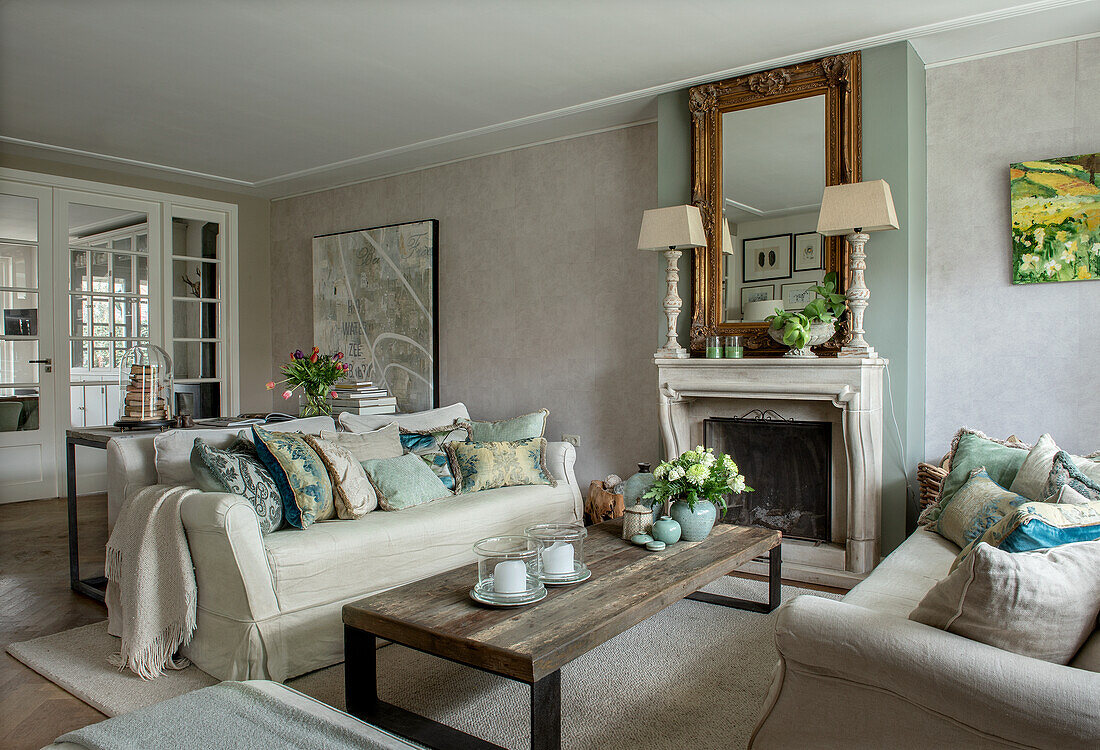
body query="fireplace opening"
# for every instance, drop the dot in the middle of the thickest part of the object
(787, 462)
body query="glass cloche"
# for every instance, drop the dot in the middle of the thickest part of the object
(145, 388)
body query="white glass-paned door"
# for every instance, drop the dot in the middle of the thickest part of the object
(28, 459)
(112, 303)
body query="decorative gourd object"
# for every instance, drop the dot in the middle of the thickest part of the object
(637, 519)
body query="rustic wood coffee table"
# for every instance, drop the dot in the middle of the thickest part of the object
(531, 644)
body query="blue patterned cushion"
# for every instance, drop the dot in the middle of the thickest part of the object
(977, 505)
(1035, 526)
(486, 466)
(428, 445)
(1065, 473)
(300, 475)
(239, 471)
(404, 481)
(507, 430)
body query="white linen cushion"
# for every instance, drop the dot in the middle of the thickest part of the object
(1089, 655)
(1031, 479)
(419, 421)
(1042, 604)
(385, 442)
(903, 578)
(335, 560)
(172, 448)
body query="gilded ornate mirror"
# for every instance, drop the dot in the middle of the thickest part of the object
(764, 146)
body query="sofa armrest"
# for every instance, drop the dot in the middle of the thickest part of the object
(227, 550)
(560, 458)
(997, 692)
(131, 465)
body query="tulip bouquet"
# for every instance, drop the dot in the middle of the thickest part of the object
(315, 374)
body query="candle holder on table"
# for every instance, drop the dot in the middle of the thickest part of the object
(560, 549)
(506, 572)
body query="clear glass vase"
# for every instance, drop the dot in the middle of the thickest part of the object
(314, 403)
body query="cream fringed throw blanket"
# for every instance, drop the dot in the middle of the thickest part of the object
(151, 591)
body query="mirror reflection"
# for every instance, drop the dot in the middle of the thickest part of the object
(773, 175)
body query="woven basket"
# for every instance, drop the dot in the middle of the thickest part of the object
(930, 478)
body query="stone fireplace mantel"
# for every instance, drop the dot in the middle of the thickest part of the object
(845, 391)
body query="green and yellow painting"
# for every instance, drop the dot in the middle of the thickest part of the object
(1056, 219)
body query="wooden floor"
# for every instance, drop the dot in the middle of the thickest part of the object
(35, 600)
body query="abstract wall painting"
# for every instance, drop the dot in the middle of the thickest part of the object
(375, 298)
(1056, 219)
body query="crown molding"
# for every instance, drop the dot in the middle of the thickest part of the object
(653, 91)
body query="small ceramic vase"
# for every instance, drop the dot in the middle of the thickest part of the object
(696, 523)
(666, 530)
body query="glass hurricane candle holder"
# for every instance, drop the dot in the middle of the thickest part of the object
(145, 388)
(560, 548)
(506, 572)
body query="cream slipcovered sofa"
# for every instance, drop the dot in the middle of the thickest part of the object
(269, 606)
(858, 673)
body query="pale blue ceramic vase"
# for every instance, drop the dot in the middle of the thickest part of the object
(695, 524)
(666, 530)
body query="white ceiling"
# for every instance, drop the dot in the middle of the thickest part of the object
(276, 97)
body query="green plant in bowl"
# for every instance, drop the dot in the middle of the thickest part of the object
(812, 325)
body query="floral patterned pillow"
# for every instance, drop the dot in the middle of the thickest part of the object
(486, 466)
(428, 444)
(300, 475)
(239, 471)
(975, 508)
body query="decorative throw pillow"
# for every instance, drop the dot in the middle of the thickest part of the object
(1035, 526)
(527, 426)
(1031, 479)
(1039, 604)
(428, 445)
(1064, 473)
(300, 475)
(239, 471)
(418, 421)
(971, 449)
(485, 466)
(978, 505)
(352, 491)
(404, 481)
(385, 442)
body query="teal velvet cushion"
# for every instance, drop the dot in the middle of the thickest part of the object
(239, 471)
(428, 445)
(524, 427)
(404, 482)
(978, 505)
(300, 475)
(1035, 526)
(486, 466)
(971, 449)
(1064, 472)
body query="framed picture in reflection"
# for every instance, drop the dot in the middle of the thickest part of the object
(797, 296)
(767, 258)
(807, 251)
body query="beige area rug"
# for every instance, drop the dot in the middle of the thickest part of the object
(694, 671)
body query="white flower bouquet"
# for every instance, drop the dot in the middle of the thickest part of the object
(696, 475)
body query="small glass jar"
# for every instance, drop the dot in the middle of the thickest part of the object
(560, 552)
(506, 567)
(714, 347)
(734, 349)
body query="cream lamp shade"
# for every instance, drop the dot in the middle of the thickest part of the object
(756, 312)
(856, 207)
(675, 227)
(727, 241)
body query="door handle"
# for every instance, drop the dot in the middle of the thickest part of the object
(48, 362)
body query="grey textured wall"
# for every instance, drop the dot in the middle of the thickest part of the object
(1003, 358)
(543, 298)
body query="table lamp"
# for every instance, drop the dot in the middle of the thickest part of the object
(855, 209)
(672, 230)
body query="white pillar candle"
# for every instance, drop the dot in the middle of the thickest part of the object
(557, 559)
(510, 577)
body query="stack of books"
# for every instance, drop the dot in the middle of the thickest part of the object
(361, 397)
(143, 399)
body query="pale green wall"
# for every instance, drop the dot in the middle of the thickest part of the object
(674, 189)
(893, 150)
